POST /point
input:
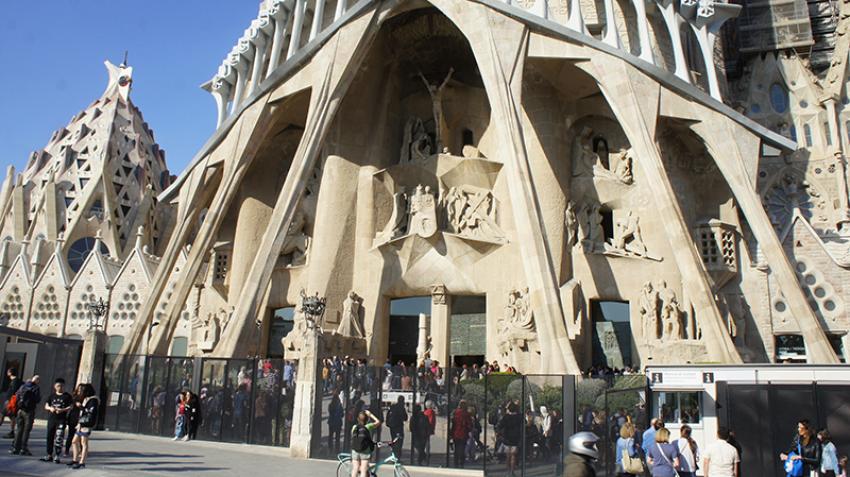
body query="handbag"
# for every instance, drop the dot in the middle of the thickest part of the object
(794, 468)
(632, 465)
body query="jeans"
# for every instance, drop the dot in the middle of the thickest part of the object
(22, 431)
(54, 426)
(180, 426)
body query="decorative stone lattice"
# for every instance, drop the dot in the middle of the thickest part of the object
(47, 310)
(821, 296)
(125, 307)
(79, 312)
(13, 306)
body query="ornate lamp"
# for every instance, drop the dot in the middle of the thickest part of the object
(313, 307)
(98, 310)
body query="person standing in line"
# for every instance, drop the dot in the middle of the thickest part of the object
(625, 446)
(57, 407)
(829, 455)
(420, 430)
(648, 438)
(27, 399)
(9, 405)
(88, 419)
(509, 429)
(689, 452)
(396, 417)
(335, 415)
(663, 457)
(721, 458)
(461, 426)
(842, 465)
(73, 418)
(193, 415)
(431, 415)
(180, 418)
(806, 448)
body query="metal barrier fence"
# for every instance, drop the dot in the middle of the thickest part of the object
(547, 409)
(241, 400)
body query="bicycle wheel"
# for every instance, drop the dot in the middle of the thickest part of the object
(343, 469)
(400, 471)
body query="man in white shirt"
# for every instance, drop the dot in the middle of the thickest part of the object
(721, 459)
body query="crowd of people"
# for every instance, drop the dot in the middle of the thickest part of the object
(70, 418)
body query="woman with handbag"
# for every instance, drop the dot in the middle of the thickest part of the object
(806, 449)
(689, 453)
(88, 419)
(663, 457)
(628, 463)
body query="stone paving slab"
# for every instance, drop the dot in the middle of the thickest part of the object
(121, 454)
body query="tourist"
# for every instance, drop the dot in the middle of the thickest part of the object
(625, 447)
(842, 465)
(689, 451)
(805, 447)
(335, 416)
(663, 457)
(733, 441)
(193, 415)
(57, 406)
(473, 441)
(180, 417)
(9, 405)
(73, 418)
(362, 444)
(532, 434)
(721, 458)
(509, 429)
(396, 417)
(26, 402)
(430, 413)
(583, 453)
(88, 419)
(557, 434)
(420, 433)
(648, 438)
(545, 430)
(461, 427)
(829, 455)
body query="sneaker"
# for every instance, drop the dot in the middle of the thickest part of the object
(175, 438)
(14, 451)
(26, 452)
(56, 460)
(46, 458)
(78, 466)
(185, 438)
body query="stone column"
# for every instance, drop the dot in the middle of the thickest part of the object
(422, 345)
(441, 334)
(307, 399)
(92, 359)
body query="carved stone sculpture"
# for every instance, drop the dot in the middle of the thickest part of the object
(649, 312)
(472, 213)
(620, 169)
(438, 294)
(416, 144)
(571, 224)
(517, 329)
(586, 160)
(397, 225)
(423, 212)
(297, 243)
(350, 324)
(671, 313)
(211, 331)
(629, 238)
(436, 93)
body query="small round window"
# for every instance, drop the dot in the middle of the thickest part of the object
(778, 98)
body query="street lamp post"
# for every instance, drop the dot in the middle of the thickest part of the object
(98, 309)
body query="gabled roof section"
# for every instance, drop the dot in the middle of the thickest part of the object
(105, 266)
(57, 260)
(21, 264)
(838, 249)
(146, 261)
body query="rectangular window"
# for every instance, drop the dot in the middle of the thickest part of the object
(679, 407)
(221, 262)
(790, 349)
(837, 345)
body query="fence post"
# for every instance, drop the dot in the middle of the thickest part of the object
(523, 447)
(250, 430)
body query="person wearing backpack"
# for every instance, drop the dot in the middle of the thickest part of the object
(362, 444)
(27, 397)
(396, 417)
(9, 405)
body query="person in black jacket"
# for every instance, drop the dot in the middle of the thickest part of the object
(15, 383)
(28, 397)
(806, 447)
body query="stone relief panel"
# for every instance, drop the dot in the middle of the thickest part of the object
(593, 159)
(517, 330)
(472, 212)
(584, 228)
(661, 315)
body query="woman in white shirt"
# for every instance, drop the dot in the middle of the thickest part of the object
(689, 453)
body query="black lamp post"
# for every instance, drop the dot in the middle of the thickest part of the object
(98, 310)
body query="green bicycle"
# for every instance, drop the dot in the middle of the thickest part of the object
(344, 467)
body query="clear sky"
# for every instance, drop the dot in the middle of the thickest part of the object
(52, 52)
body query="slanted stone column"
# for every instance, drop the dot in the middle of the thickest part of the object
(441, 335)
(92, 359)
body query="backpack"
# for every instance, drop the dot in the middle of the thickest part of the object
(12, 405)
(361, 439)
(25, 398)
(394, 417)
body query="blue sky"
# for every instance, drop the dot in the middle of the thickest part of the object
(52, 53)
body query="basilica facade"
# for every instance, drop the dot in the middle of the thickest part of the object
(553, 185)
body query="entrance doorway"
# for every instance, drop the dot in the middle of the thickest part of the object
(612, 334)
(404, 327)
(468, 330)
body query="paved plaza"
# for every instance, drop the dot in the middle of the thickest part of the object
(120, 454)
